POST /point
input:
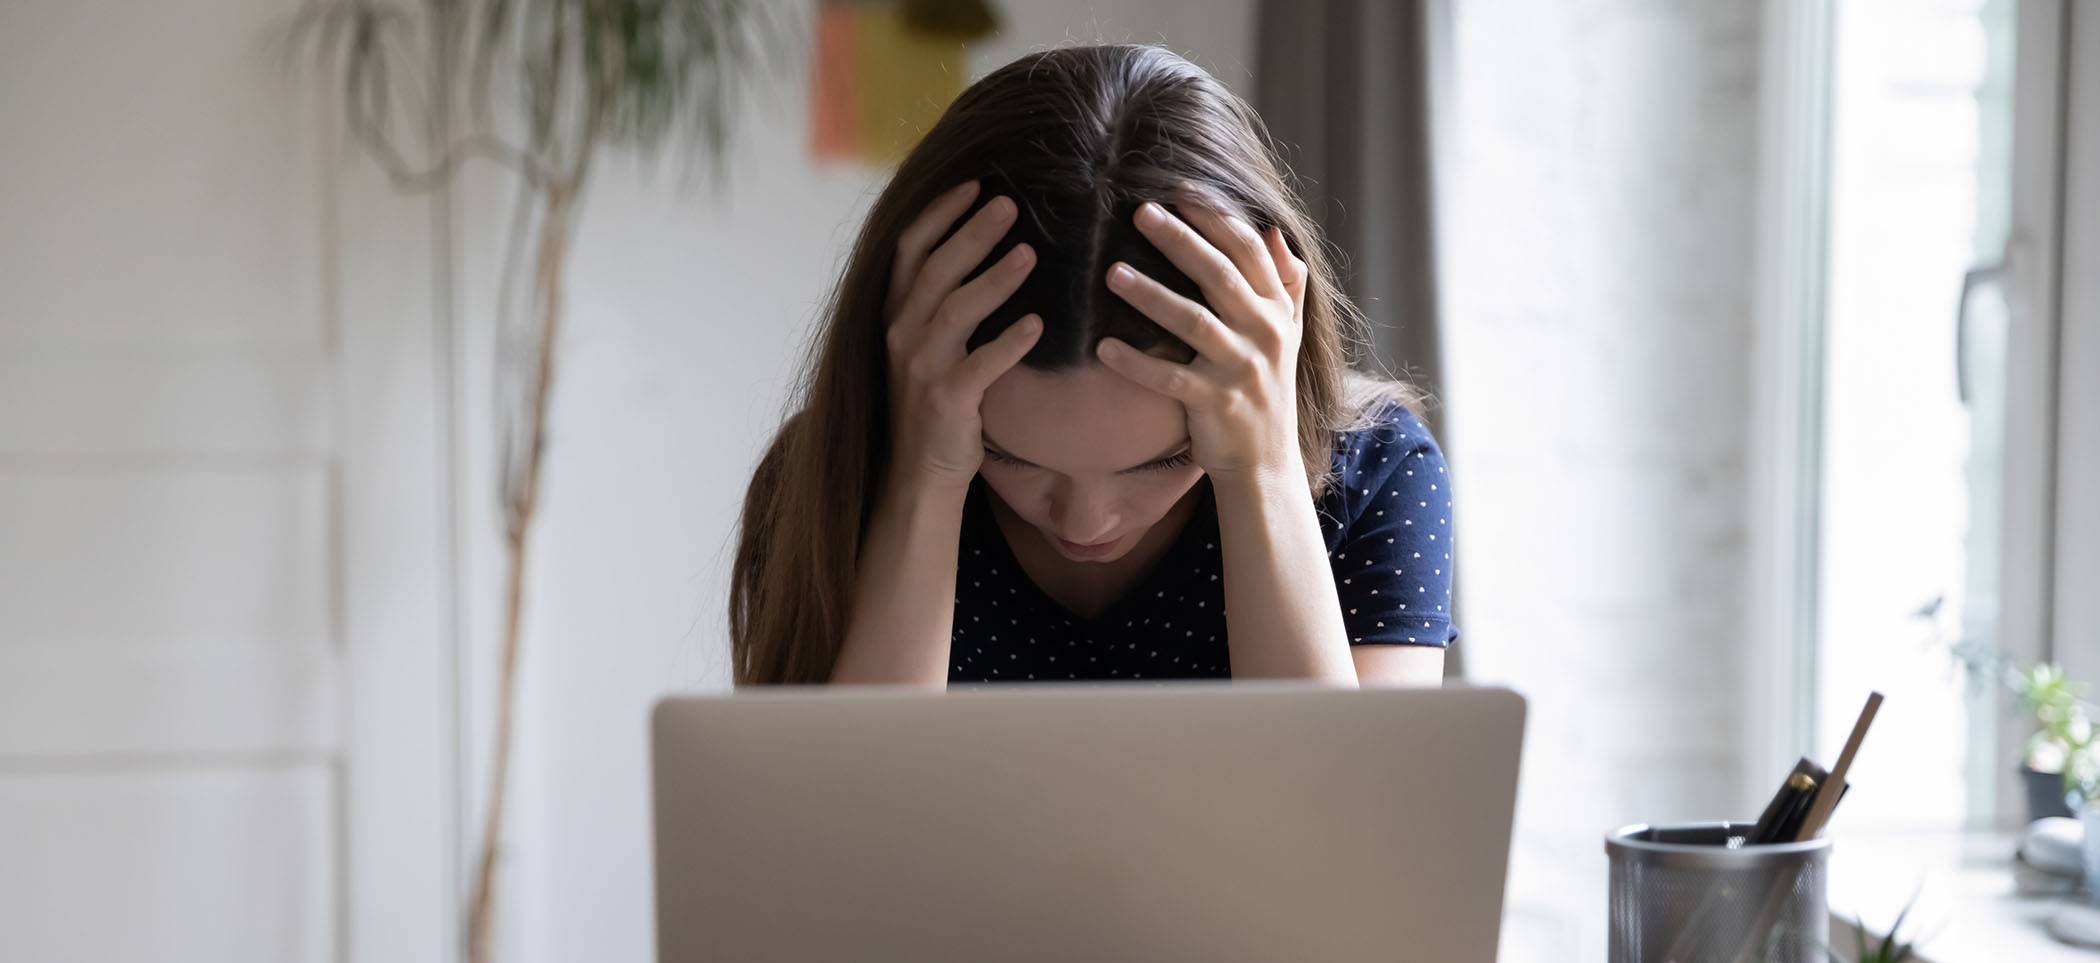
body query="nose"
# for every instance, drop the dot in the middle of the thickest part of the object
(1082, 516)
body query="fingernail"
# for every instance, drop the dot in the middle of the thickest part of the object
(1121, 275)
(1004, 205)
(1150, 213)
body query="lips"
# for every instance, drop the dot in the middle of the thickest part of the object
(1093, 550)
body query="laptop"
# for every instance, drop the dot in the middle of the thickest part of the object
(1188, 821)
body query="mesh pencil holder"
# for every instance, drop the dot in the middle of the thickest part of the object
(1680, 894)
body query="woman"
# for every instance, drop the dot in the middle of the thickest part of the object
(1083, 409)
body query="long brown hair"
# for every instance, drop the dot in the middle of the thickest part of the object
(1078, 136)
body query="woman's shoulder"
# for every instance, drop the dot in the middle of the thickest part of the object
(1385, 453)
(1383, 433)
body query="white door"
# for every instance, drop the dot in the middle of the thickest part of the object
(223, 641)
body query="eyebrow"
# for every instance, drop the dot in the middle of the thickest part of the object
(1177, 449)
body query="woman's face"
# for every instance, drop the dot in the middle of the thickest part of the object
(1088, 458)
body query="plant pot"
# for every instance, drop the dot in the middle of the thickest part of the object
(2045, 794)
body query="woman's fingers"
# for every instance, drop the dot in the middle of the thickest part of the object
(1212, 271)
(1241, 244)
(918, 239)
(947, 265)
(1187, 319)
(1176, 381)
(991, 359)
(966, 307)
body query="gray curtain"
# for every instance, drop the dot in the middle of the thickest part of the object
(1348, 87)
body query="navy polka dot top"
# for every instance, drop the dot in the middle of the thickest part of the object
(1387, 523)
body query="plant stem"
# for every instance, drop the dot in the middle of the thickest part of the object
(524, 501)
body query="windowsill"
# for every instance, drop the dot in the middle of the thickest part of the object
(1966, 912)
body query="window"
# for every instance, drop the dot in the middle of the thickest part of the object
(1890, 200)
(1913, 400)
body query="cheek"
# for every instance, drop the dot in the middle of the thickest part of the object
(1021, 490)
(1141, 502)
(1148, 501)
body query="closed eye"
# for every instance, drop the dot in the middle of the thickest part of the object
(1004, 458)
(1168, 463)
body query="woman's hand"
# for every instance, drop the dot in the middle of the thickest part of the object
(1241, 390)
(936, 384)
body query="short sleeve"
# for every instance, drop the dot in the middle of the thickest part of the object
(1392, 558)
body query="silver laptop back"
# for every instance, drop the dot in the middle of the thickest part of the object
(1200, 821)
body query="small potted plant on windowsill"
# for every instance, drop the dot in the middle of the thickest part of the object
(2060, 759)
(2064, 723)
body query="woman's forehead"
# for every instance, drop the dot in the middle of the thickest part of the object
(1085, 419)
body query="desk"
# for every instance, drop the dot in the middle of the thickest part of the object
(1966, 910)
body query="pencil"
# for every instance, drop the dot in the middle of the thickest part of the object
(1827, 796)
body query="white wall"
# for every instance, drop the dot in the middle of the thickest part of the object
(1597, 280)
(219, 642)
(687, 313)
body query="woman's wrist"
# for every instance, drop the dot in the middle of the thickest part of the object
(911, 487)
(1283, 473)
(1284, 615)
(901, 617)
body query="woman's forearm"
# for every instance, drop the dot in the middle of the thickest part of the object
(1283, 618)
(903, 605)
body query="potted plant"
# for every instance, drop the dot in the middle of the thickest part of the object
(2060, 761)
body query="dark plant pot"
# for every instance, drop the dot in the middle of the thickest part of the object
(2045, 794)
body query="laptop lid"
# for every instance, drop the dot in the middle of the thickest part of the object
(1197, 821)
